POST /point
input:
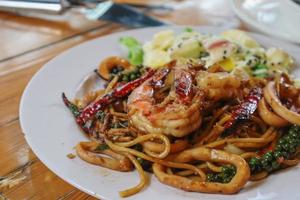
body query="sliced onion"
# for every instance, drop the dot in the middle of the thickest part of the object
(270, 117)
(273, 100)
(233, 149)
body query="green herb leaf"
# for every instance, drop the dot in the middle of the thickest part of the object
(261, 66)
(102, 147)
(260, 70)
(146, 165)
(188, 29)
(137, 147)
(135, 50)
(100, 115)
(71, 106)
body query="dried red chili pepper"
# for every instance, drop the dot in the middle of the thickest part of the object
(184, 85)
(246, 108)
(84, 117)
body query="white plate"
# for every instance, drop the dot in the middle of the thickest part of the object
(265, 16)
(52, 133)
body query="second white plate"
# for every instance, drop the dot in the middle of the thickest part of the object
(265, 16)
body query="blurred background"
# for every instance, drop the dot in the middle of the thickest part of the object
(31, 24)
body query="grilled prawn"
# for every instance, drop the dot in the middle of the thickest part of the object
(176, 114)
(218, 86)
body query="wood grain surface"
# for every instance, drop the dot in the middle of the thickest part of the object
(27, 42)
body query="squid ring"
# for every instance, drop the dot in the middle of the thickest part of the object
(206, 154)
(273, 100)
(116, 161)
(109, 63)
(270, 117)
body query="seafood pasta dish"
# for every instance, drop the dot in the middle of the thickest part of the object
(203, 113)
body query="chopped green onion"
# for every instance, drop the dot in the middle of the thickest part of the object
(132, 76)
(260, 70)
(260, 66)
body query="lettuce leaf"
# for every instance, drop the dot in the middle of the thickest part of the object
(188, 29)
(135, 50)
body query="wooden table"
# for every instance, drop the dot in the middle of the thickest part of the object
(26, 44)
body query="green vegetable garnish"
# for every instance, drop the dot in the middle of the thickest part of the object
(188, 29)
(71, 106)
(133, 74)
(203, 54)
(124, 124)
(285, 148)
(135, 50)
(225, 176)
(100, 115)
(260, 70)
(137, 147)
(115, 125)
(146, 165)
(102, 147)
(260, 66)
(125, 78)
(74, 109)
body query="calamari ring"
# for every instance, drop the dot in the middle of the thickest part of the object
(109, 63)
(116, 162)
(270, 117)
(273, 100)
(206, 154)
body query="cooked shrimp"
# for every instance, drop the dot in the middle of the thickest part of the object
(178, 114)
(205, 154)
(218, 86)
